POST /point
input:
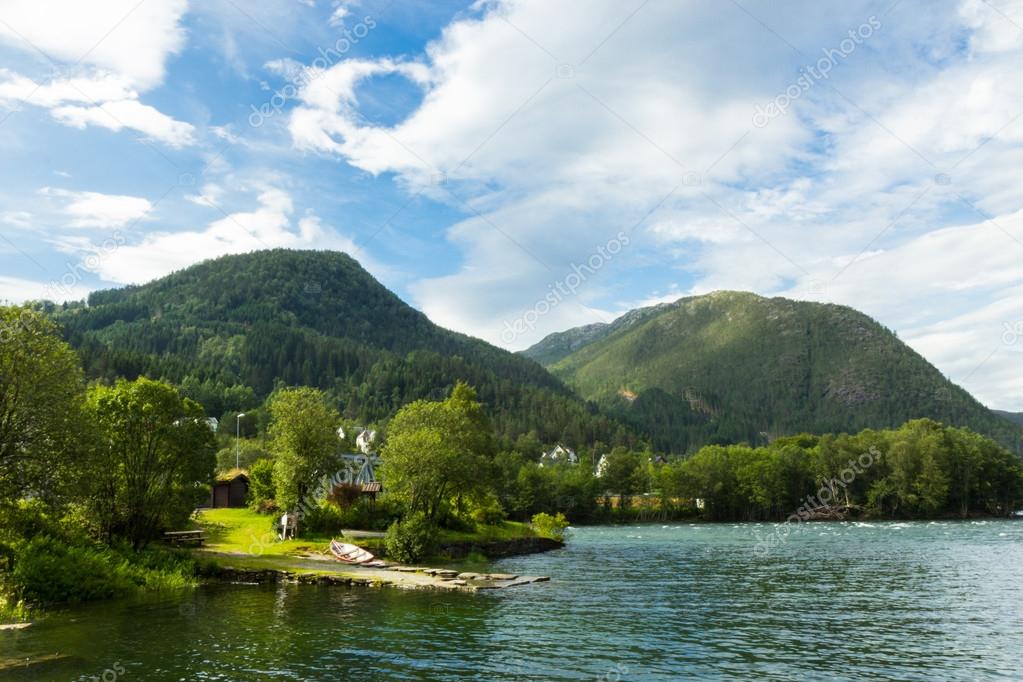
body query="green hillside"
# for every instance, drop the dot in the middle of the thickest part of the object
(734, 366)
(1014, 417)
(230, 329)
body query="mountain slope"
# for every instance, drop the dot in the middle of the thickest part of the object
(736, 366)
(230, 329)
(1014, 417)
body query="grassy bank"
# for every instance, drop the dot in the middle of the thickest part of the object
(243, 531)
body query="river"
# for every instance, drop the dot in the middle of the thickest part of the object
(909, 601)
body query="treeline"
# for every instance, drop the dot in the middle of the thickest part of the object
(920, 470)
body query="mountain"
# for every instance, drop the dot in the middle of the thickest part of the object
(1014, 417)
(732, 366)
(229, 330)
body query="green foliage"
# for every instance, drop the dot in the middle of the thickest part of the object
(486, 510)
(435, 451)
(734, 367)
(323, 519)
(920, 470)
(261, 484)
(153, 455)
(411, 539)
(524, 488)
(231, 329)
(247, 454)
(547, 526)
(625, 474)
(303, 440)
(50, 570)
(41, 392)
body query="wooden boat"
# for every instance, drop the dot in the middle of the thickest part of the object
(350, 554)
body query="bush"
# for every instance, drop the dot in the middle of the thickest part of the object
(548, 526)
(324, 518)
(49, 571)
(261, 485)
(367, 514)
(487, 510)
(410, 539)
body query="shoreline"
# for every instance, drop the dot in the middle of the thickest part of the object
(321, 568)
(240, 568)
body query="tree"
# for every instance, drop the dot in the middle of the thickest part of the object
(41, 391)
(437, 450)
(624, 474)
(303, 440)
(152, 459)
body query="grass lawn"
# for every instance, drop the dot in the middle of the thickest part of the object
(245, 531)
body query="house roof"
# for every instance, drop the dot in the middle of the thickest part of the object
(231, 476)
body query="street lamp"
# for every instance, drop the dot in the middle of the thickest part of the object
(237, 439)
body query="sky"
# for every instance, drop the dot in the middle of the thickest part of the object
(514, 168)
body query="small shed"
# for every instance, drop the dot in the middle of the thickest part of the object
(230, 492)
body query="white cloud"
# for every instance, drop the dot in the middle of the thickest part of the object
(554, 125)
(92, 209)
(128, 113)
(20, 219)
(17, 290)
(111, 51)
(129, 38)
(269, 225)
(103, 100)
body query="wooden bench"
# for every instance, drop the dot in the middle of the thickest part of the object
(192, 538)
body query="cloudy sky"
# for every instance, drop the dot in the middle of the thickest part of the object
(514, 168)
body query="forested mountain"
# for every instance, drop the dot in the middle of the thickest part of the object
(733, 366)
(1014, 417)
(228, 330)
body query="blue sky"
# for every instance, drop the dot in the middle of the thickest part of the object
(514, 168)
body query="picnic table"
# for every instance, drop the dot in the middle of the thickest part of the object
(185, 537)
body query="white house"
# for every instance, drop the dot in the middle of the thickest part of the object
(559, 455)
(601, 466)
(341, 433)
(366, 441)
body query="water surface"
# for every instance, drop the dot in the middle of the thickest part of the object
(909, 601)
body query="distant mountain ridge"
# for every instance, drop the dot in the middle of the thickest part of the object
(1014, 417)
(731, 366)
(240, 325)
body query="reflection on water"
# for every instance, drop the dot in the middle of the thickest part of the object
(835, 601)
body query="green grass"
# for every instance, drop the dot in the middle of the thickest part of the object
(248, 532)
(506, 530)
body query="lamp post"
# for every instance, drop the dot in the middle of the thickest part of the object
(237, 439)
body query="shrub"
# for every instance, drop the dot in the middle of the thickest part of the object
(548, 526)
(49, 571)
(487, 510)
(261, 485)
(324, 518)
(410, 539)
